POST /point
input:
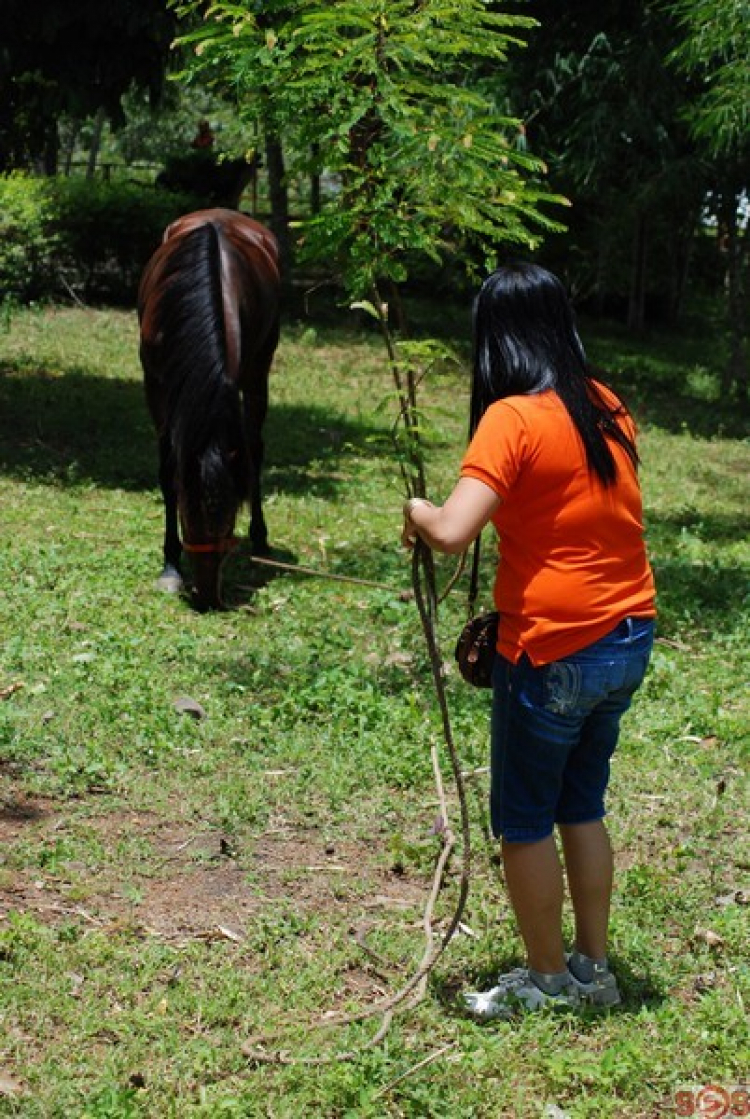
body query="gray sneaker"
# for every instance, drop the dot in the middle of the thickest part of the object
(516, 992)
(601, 990)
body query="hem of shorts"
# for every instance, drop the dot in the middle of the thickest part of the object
(583, 819)
(523, 835)
(533, 835)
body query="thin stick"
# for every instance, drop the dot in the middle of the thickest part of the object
(173, 854)
(72, 294)
(404, 594)
(415, 1068)
(324, 575)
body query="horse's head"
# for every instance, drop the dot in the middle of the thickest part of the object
(208, 502)
(206, 560)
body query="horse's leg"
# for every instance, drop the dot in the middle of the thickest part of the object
(255, 406)
(170, 578)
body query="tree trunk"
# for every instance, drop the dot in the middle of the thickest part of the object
(51, 148)
(735, 377)
(683, 245)
(96, 142)
(637, 298)
(279, 197)
(315, 183)
(601, 271)
(69, 148)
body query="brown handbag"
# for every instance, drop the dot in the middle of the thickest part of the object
(476, 648)
(476, 645)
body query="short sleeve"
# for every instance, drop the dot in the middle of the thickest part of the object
(498, 451)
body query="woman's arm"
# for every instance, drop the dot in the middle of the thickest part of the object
(450, 527)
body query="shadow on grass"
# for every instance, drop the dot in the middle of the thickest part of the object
(79, 428)
(657, 406)
(378, 572)
(670, 381)
(712, 528)
(75, 428)
(710, 594)
(243, 576)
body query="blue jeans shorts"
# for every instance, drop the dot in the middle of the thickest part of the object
(555, 728)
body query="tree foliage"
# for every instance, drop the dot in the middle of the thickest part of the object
(608, 114)
(716, 49)
(75, 56)
(382, 97)
(421, 158)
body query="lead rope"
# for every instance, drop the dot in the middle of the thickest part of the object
(474, 579)
(424, 594)
(427, 607)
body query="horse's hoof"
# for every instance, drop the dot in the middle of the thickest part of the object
(170, 581)
(203, 605)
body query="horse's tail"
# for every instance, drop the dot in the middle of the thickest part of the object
(203, 409)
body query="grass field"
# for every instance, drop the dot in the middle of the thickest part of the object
(177, 892)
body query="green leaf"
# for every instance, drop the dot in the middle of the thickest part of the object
(365, 305)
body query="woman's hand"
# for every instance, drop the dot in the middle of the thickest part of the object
(451, 527)
(410, 531)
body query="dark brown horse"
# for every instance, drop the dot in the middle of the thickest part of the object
(208, 307)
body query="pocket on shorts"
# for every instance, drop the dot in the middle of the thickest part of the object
(570, 688)
(562, 687)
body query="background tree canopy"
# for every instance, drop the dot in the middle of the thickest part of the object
(398, 138)
(77, 57)
(384, 99)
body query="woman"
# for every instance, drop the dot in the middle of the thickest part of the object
(552, 463)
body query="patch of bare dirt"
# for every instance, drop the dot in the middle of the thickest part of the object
(15, 814)
(179, 881)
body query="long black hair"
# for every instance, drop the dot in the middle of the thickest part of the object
(525, 342)
(204, 417)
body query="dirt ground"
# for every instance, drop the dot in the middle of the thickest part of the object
(183, 884)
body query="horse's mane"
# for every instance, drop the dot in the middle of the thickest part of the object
(203, 405)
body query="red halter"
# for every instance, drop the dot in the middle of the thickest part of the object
(228, 544)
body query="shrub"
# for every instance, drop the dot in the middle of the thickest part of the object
(92, 238)
(27, 243)
(107, 231)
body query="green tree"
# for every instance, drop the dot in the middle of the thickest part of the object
(606, 112)
(421, 161)
(715, 51)
(241, 72)
(381, 96)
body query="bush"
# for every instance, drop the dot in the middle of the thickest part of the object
(89, 237)
(27, 244)
(107, 231)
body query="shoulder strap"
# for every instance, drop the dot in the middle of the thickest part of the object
(474, 578)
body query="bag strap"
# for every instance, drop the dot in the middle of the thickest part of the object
(474, 578)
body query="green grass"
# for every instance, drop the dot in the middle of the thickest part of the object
(171, 887)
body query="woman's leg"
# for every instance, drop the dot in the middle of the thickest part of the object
(588, 863)
(534, 879)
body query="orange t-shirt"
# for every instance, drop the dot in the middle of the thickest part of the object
(572, 561)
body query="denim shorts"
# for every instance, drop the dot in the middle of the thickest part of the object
(555, 728)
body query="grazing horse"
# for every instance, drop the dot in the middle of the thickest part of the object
(208, 306)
